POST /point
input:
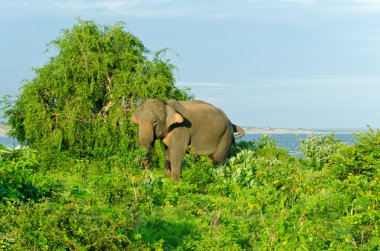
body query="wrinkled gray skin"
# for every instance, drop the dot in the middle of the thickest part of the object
(179, 124)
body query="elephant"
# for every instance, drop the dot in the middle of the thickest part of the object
(183, 125)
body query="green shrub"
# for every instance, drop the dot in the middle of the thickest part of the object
(69, 226)
(363, 157)
(319, 150)
(19, 180)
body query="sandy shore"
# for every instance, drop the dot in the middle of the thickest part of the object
(253, 130)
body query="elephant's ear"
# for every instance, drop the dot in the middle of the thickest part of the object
(172, 116)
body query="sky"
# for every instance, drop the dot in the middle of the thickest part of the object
(267, 63)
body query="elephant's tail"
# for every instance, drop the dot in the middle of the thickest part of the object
(240, 132)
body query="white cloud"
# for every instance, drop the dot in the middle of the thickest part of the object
(296, 84)
(217, 101)
(370, 6)
(107, 5)
(252, 9)
(283, 2)
(331, 6)
(134, 8)
(204, 84)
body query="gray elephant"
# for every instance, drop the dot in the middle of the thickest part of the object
(202, 127)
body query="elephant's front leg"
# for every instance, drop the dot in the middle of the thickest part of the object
(176, 157)
(167, 164)
(176, 142)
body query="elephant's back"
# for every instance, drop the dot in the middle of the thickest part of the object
(198, 109)
(209, 125)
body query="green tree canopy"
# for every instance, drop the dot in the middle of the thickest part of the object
(79, 100)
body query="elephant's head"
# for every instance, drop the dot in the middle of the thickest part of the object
(154, 118)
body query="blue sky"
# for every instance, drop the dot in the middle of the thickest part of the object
(266, 63)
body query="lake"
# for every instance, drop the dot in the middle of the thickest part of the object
(288, 141)
(291, 141)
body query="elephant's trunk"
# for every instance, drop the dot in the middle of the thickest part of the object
(146, 162)
(146, 138)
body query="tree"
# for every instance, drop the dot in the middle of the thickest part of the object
(79, 100)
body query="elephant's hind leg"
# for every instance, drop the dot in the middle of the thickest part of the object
(220, 154)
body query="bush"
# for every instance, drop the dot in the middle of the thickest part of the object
(20, 180)
(81, 99)
(363, 157)
(71, 226)
(320, 149)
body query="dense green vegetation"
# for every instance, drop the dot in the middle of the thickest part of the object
(262, 199)
(79, 183)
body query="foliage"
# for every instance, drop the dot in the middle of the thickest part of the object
(319, 150)
(79, 101)
(261, 199)
(19, 182)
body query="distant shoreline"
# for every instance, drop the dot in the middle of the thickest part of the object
(255, 130)
(280, 131)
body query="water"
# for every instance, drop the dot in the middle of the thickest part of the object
(8, 142)
(288, 141)
(291, 141)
